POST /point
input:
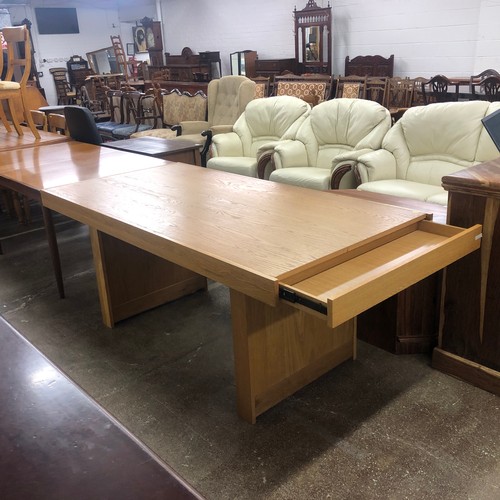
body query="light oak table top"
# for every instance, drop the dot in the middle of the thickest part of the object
(67, 162)
(246, 233)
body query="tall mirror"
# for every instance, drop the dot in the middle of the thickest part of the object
(313, 38)
(103, 61)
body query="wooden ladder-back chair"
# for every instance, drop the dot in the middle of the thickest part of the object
(121, 58)
(418, 99)
(64, 92)
(376, 89)
(13, 91)
(399, 96)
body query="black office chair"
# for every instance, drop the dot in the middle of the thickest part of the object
(81, 125)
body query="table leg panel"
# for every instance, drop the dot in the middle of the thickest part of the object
(131, 280)
(279, 350)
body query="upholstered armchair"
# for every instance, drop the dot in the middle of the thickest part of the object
(227, 98)
(332, 128)
(257, 130)
(425, 144)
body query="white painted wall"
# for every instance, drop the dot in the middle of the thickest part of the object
(453, 37)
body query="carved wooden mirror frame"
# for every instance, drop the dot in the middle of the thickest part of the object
(313, 38)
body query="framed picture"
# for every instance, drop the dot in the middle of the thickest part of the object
(130, 49)
(139, 39)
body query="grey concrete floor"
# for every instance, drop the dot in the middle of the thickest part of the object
(383, 426)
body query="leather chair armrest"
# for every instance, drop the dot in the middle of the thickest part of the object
(227, 145)
(343, 169)
(376, 166)
(290, 154)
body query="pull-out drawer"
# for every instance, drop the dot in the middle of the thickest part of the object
(351, 284)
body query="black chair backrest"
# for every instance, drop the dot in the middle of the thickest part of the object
(81, 125)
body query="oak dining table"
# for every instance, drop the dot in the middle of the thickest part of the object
(29, 170)
(300, 264)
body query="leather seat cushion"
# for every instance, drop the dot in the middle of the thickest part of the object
(242, 165)
(407, 189)
(310, 177)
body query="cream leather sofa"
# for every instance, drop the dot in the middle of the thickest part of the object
(427, 143)
(263, 122)
(332, 128)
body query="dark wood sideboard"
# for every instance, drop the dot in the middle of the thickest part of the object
(469, 343)
(273, 67)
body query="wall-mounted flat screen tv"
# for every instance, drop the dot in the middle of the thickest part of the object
(56, 21)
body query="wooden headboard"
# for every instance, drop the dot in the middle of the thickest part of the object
(369, 66)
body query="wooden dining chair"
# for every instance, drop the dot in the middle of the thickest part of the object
(376, 89)
(475, 80)
(351, 86)
(399, 96)
(57, 124)
(15, 91)
(39, 119)
(491, 88)
(437, 90)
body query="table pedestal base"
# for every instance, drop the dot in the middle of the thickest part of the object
(131, 280)
(278, 350)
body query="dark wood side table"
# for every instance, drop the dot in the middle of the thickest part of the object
(469, 345)
(58, 443)
(167, 149)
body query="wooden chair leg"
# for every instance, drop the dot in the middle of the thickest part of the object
(18, 208)
(29, 118)
(3, 117)
(13, 116)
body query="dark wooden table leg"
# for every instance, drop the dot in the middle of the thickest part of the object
(54, 250)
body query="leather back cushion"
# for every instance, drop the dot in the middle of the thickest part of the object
(268, 119)
(340, 125)
(439, 139)
(227, 98)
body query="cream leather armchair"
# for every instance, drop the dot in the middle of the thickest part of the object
(332, 128)
(227, 98)
(427, 143)
(260, 126)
